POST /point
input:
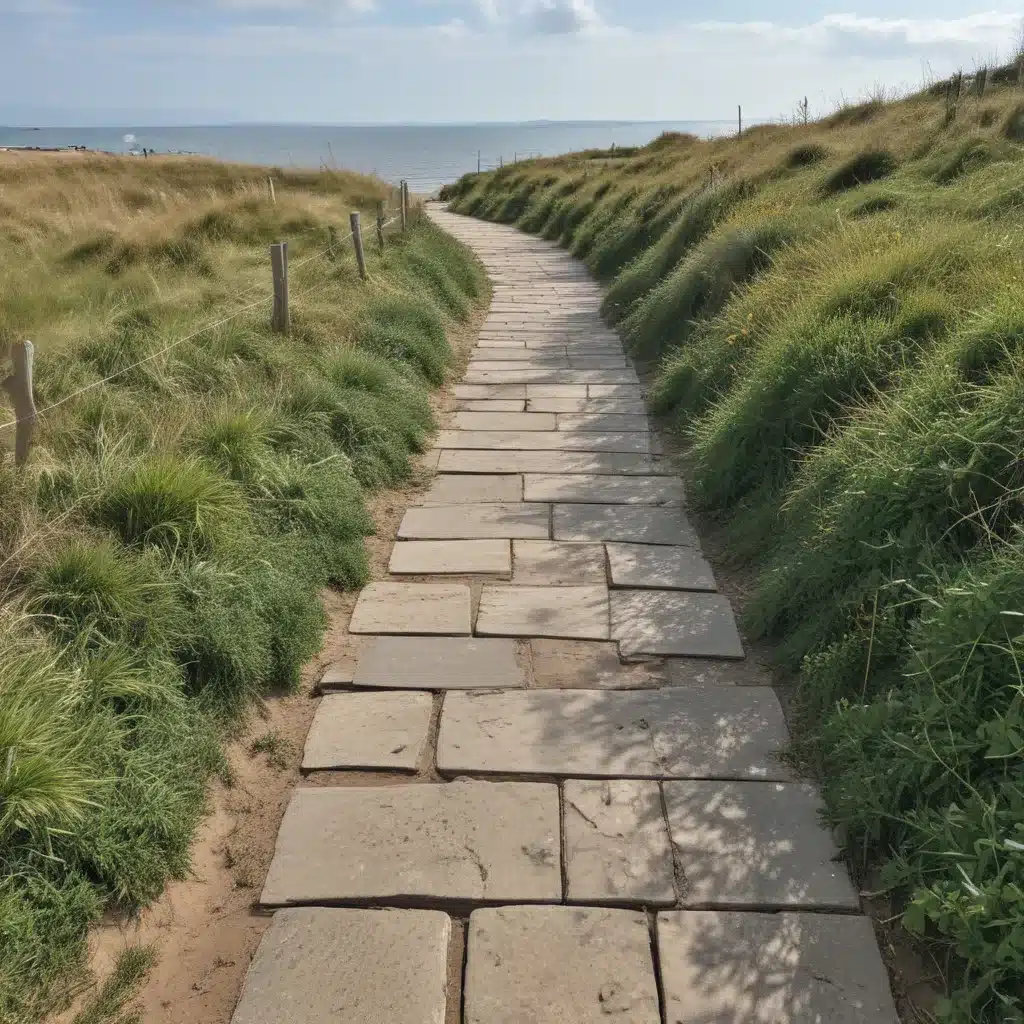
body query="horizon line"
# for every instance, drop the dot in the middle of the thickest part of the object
(40, 126)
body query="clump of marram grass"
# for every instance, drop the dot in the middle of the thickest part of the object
(852, 401)
(179, 519)
(861, 168)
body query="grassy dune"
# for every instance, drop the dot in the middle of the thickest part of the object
(162, 555)
(836, 311)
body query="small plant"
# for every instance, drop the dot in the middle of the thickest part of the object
(277, 749)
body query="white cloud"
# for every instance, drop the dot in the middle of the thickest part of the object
(562, 17)
(852, 34)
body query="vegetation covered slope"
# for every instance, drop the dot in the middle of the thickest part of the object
(188, 497)
(836, 311)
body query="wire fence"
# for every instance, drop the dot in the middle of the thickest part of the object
(19, 383)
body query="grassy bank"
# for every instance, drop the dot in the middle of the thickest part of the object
(162, 555)
(836, 310)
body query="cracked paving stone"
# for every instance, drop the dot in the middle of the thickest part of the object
(616, 842)
(559, 965)
(462, 841)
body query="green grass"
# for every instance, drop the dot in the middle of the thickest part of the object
(163, 555)
(836, 312)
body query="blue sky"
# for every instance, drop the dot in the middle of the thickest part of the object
(396, 61)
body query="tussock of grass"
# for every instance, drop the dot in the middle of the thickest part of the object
(162, 557)
(859, 169)
(838, 312)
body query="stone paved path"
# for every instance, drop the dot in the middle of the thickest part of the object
(549, 791)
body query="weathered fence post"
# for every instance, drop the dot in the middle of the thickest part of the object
(478, 155)
(380, 226)
(357, 242)
(405, 204)
(18, 385)
(273, 194)
(739, 119)
(279, 265)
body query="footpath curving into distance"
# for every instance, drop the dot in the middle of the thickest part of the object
(575, 774)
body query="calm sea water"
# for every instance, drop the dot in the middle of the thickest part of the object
(427, 155)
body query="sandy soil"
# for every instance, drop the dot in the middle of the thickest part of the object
(206, 928)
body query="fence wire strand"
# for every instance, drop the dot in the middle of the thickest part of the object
(40, 413)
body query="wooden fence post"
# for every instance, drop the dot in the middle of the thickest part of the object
(739, 119)
(273, 194)
(18, 385)
(380, 226)
(357, 241)
(405, 204)
(279, 322)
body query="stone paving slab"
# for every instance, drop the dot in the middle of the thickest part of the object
(338, 673)
(572, 613)
(538, 362)
(490, 405)
(541, 376)
(721, 733)
(604, 490)
(476, 521)
(522, 354)
(593, 406)
(420, 609)
(631, 524)
(629, 390)
(554, 564)
(596, 362)
(540, 440)
(556, 391)
(451, 558)
(484, 391)
(587, 665)
(784, 968)
(616, 843)
(755, 844)
(604, 422)
(559, 965)
(316, 966)
(711, 672)
(504, 421)
(643, 566)
(368, 730)
(461, 841)
(674, 623)
(439, 663)
(600, 463)
(488, 489)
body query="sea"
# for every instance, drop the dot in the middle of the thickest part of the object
(427, 156)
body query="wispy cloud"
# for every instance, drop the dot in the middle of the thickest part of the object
(852, 33)
(562, 17)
